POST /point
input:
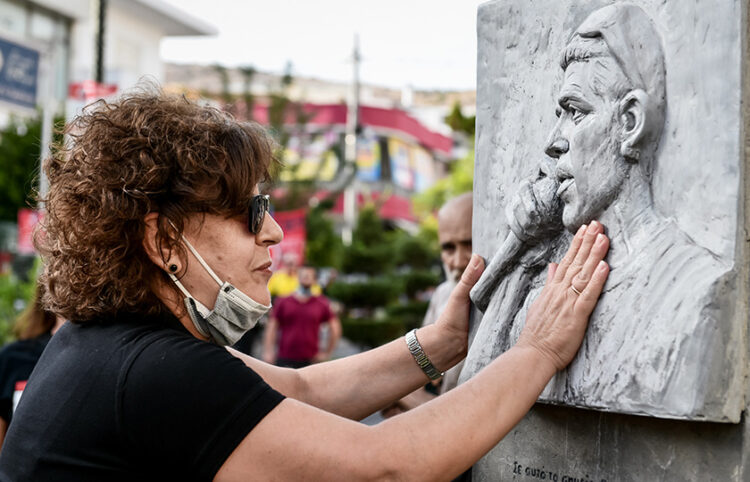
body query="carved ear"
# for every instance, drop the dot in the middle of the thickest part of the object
(633, 123)
(155, 248)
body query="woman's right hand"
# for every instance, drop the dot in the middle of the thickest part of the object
(557, 319)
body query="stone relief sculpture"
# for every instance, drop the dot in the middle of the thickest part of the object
(658, 339)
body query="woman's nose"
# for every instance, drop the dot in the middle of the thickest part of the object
(271, 233)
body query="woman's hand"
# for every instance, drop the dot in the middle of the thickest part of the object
(454, 320)
(557, 320)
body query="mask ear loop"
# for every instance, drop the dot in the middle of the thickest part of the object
(198, 257)
(202, 262)
(188, 297)
(179, 285)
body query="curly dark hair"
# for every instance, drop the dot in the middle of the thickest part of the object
(145, 152)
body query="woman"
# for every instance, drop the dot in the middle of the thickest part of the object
(33, 328)
(157, 245)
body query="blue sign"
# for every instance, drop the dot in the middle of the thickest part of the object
(19, 67)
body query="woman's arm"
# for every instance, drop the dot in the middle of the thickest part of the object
(297, 441)
(359, 385)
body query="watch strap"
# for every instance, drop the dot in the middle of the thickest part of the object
(420, 357)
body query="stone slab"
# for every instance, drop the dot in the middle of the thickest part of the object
(668, 338)
(560, 444)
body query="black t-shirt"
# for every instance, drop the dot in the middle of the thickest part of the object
(17, 361)
(132, 399)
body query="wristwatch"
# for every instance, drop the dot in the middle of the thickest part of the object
(419, 356)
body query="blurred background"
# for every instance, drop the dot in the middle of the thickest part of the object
(372, 105)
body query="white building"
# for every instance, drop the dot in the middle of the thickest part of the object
(64, 33)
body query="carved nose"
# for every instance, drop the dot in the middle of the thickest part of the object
(557, 148)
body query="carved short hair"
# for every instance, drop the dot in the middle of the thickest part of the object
(146, 152)
(625, 33)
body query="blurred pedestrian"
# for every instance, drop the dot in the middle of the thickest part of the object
(33, 328)
(285, 281)
(296, 322)
(454, 236)
(157, 249)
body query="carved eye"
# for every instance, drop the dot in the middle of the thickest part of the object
(576, 114)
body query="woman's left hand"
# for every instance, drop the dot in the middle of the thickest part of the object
(454, 320)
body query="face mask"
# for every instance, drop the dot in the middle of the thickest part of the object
(304, 290)
(234, 312)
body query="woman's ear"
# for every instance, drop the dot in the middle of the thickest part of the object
(157, 249)
(633, 124)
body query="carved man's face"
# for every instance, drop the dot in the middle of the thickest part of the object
(585, 140)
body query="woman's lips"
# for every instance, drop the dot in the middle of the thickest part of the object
(265, 267)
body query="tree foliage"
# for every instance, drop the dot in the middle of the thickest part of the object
(226, 95)
(460, 123)
(388, 269)
(323, 247)
(248, 72)
(20, 146)
(371, 251)
(15, 296)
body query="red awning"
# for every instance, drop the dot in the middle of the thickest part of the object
(396, 119)
(394, 207)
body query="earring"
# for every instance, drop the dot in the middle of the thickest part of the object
(173, 268)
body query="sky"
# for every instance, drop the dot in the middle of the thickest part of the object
(425, 44)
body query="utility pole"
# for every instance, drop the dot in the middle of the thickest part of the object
(47, 85)
(350, 149)
(101, 15)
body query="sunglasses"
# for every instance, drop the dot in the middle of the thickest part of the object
(256, 212)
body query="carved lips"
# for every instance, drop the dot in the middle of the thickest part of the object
(564, 185)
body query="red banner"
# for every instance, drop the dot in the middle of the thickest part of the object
(27, 221)
(89, 90)
(295, 233)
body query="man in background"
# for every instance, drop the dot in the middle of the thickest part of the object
(454, 236)
(285, 281)
(297, 320)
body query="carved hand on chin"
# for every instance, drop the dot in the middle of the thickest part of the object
(535, 212)
(535, 217)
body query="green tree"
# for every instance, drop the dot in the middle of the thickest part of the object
(15, 295)
(248, 72)
(460, 123)
(323, 247)
(397, 266)
(226, 95)
(20, 145)
(372, 249)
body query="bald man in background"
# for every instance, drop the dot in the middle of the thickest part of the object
(454, 236)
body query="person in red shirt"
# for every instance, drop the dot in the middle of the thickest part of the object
(297, 319)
